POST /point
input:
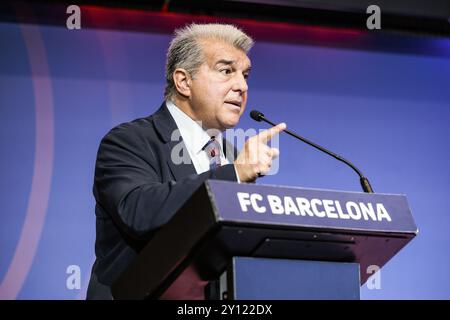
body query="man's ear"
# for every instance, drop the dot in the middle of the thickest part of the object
(182, 81)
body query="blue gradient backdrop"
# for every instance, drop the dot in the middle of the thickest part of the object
(388, 112)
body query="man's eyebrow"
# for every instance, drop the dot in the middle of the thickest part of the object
(231, 62)
(224, 61)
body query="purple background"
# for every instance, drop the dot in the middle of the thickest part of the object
(61, 91)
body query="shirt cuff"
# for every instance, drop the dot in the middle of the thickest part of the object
(237, 176)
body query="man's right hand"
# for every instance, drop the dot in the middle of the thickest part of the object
(256, 157)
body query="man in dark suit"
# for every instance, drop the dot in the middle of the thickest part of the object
(146, 169)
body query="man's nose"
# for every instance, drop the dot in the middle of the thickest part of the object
(240, 83)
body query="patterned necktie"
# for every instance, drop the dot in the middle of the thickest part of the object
(212, 149)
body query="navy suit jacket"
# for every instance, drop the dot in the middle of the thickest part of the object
(137, 189)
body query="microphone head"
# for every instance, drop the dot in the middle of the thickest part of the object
(256, 115)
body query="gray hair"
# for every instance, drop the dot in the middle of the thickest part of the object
(185, 50)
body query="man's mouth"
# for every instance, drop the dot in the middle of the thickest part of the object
(235, 103)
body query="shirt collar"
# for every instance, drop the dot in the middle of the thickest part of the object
(193, 134)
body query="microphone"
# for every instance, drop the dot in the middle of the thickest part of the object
(365, 184)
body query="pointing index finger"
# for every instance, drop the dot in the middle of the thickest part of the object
(268, 134)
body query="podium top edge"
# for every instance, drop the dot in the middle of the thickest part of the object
(303, 188)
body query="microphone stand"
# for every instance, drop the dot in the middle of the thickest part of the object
(365, 184)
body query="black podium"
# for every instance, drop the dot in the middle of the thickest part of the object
(248, 241)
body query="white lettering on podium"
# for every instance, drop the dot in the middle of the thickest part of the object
(342, 215)
(320, 208)
(304, 206)
(382, 212)
(246, 199)
(275, 204)
(367, 210)
(353, 210)
(314, 204)
(253, 199)
(329, 209)
(290, 206)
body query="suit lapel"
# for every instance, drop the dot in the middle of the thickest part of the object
(183, 168)
(165, 126)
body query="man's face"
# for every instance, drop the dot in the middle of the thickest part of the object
(219, 88)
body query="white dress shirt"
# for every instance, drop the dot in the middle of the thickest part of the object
(195, 138)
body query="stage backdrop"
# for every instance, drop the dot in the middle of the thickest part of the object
(61, 91)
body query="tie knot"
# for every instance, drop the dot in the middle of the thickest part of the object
(212, 148)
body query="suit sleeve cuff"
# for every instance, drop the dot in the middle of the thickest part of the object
(226, 172)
